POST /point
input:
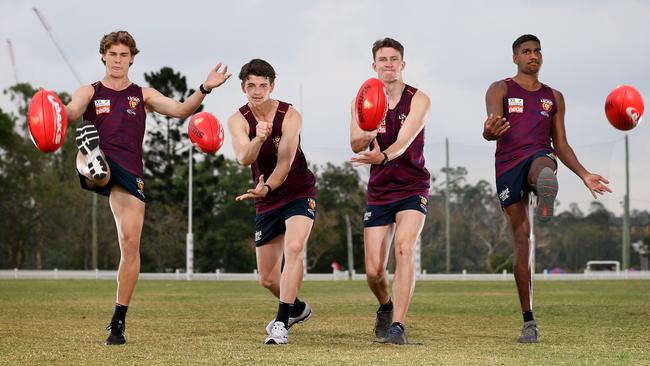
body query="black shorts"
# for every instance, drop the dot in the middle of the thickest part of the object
(513, 184)
(271, 224)
(381, 215)
(132, 183)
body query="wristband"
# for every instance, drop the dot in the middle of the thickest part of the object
(269, 187)
(203, 91)
(385, 158)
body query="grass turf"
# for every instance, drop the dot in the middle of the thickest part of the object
(178, 322)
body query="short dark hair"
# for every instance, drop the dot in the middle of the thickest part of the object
(257, 67)
(523, 39)
(387, 42)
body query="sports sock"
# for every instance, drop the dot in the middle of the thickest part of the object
(284, 310)
(387, 306)
(528, 316)
(119, 313)
(397, 324)
(298, 308)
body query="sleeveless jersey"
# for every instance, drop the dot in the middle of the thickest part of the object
(404, 176)
(300, 182)
(530, 114)
(119, 117)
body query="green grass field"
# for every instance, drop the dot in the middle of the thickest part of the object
(178, 322)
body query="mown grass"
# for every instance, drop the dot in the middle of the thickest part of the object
(179, 322)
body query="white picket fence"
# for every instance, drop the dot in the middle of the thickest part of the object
(57, 274)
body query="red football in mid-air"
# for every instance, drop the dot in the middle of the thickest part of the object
(206, 132)
(47, 121)
(624, 107)
(371, 104)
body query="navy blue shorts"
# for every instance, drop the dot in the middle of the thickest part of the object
(271, 224)
(513, 184)
(381, 215)
(132, 183)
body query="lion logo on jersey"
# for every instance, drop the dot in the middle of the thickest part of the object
(276, 142)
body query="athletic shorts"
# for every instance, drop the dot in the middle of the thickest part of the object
(272, 223)
(513, 184)
(132, 183)
(380, 215)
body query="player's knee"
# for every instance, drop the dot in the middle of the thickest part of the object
(375, 273)
(129, 245)
(404, 249)
(294, 249)
(267, 281)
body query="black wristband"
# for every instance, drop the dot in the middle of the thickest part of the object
(203, 91)
(385, 158)
(269, 187)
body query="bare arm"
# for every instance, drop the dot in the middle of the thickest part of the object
(594, 182)
(359, 139)
(246, 150)
(412, 126)
(495, 125)
(173, 108)
(286, 153)
(79, 102)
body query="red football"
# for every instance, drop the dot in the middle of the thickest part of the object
(47, 121)
(371, 104)
(206, 133)
(624, 107)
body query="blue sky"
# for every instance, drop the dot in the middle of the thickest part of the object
(453, 51)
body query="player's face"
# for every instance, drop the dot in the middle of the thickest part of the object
(388, 64)
(528, 58)
(257, 89)
(118, 59)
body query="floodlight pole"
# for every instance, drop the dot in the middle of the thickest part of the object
(189, 239)
(626, 210)
(447, 218)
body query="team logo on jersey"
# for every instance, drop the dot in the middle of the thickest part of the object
(276, 142)
(547, 105)
(504, 195)
(402, 118)
(140, 184)
(258, 235)
(102, 106)
(312, 206)
(515, 105)
(133, 103)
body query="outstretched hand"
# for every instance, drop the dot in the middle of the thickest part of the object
(495, 127)
(373, 156)
(216, 77)
(596, 184)
(259, 191)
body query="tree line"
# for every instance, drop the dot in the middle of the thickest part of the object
(46, 218)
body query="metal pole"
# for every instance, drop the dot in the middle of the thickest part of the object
(626, 210)
(94, 233)
(189, 240)
(13, 60)
(531, 246)
(41, 17)
(350, 252)
(447, 218)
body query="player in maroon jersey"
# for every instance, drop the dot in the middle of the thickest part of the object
(398, 189)
(266, 135)
(526, 117)
(109, 160)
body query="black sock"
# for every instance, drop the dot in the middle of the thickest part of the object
(298, 308)
(528, 316)
(284, 310)
(119, 313)
(397, 324)
(387, 306)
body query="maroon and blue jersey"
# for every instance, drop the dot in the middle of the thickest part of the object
(404, 176)
(530, 114)
(119, 117)
(300, 182)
